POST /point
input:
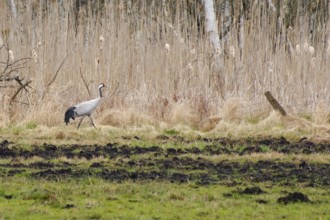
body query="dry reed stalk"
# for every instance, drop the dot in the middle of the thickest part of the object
(156, 56)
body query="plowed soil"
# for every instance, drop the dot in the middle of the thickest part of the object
(154, 163)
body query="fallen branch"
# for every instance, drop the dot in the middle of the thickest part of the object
(276, 105)
(19, 81)
(7, 78)
(20, 89)
(22, 103)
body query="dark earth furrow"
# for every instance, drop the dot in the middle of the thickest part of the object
(186, 164)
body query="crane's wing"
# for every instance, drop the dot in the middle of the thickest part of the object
(70, 113)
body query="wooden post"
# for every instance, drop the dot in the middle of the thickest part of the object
(275, 103)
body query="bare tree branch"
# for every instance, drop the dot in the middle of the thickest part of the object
(85, 83)
(58, 69)
(6, 75)
(8, 65)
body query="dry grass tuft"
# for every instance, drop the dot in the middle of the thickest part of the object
(127, 117)
(60, 135)
(231, 111)
(180, 113)
(4, 119)
(211, 123)
(275, 119)
(322, 114)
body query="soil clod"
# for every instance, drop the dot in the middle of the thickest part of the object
(68, 206)
(8, 196)
(255, 190)
(293, 198)
(261, 201)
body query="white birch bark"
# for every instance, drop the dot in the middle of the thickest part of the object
(271, 5)
(212, 30)
(13, 11)
(226, 21)
(12, 7)
(328, 31)
(34, 21)
(86, 34)
(312, 23)
(164, 8)
(211, 25)
(241, 31)
(301, 22)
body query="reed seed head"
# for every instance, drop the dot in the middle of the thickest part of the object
(306, 46)
(232, 51)
(11, 56)
(298, 50)
(167, 48)
(1, 42)
(34, 55)
(311, 50)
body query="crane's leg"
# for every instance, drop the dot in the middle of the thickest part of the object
(80, 122)
(92, 121)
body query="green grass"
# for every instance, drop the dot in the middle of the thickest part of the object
(31, 125)
(171, 132)
(23, 197)
(98, 199)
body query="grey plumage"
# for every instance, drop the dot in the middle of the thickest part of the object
(83, 109)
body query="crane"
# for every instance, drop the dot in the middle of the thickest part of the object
(84, 109)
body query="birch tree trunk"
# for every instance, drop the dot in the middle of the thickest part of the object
(12, 7)
(211, 25)
(212, 31)
(327, 36)
(271, 5)
(301, 13)
(241, 31)
(227, 20)
(86, 33)
(12, 31)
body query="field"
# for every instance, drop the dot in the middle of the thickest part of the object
(178, 136)
(161, 175)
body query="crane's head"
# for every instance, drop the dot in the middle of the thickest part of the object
(101, 85)
(100, 89)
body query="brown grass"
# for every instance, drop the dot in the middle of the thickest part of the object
(156, 76)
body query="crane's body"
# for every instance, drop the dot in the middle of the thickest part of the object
(83, 109)
(86, 108)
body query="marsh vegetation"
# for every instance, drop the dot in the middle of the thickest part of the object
(179, 137)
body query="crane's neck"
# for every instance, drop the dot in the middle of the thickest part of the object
(100, 90)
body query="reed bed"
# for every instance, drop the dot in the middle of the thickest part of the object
(157, 62)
